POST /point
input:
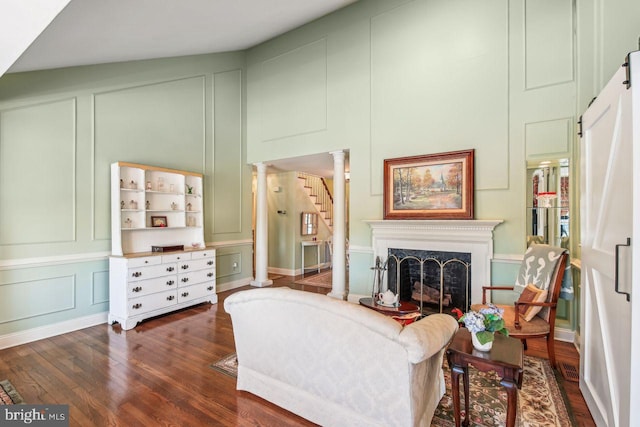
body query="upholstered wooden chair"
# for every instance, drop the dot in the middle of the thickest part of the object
(539, 281)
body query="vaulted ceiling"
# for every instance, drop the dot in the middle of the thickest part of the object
(100, 31)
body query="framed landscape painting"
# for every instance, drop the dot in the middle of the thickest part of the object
(433, 186)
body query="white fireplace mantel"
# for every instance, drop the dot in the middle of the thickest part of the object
(468, 236)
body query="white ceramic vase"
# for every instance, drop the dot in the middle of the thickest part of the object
(478, 346)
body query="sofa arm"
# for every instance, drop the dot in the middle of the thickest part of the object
(424, 338)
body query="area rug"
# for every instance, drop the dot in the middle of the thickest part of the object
(322, 279)
(228, 365)
(541, 401)
(9, 395)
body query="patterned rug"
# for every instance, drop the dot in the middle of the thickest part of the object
(541, 401)
(9, 395)
(322, 279)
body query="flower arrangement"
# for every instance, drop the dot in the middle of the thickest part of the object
(483, 323)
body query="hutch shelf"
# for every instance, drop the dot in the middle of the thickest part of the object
(157, 207)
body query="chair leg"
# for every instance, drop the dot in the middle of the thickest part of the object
(524, 343)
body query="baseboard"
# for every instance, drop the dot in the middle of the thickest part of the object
(566, 335)
(281, 271)
(233, 285)
(42, 332)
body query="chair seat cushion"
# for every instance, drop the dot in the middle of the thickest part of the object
(537, 325)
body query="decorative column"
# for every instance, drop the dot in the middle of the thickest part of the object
(339, 224)
(262, 229)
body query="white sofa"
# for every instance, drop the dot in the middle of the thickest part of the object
(336, 363)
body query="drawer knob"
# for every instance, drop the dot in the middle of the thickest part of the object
(170, 297)
(209, 274)
(146, 262)
(185, 266)
(170, 282)
(209, 288)
(137, 289)
(137, 274)
(170, 269)
(184, 279)
(210, 263)
(137, 306)
(185, 294)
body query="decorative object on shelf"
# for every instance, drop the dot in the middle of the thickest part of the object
(133, 204)
(167, 248)
(435, 186)
(547, 199)
(121, 204)
(172, 188)
(195, 245)
(148, 186)
(121, 183)
(147, 205)
(133, 185)
(189, 189)
(174, 206)
(189, 206)
(483, 325)
(160, 186)
(128, 223)
(191, 222)
(159, 221)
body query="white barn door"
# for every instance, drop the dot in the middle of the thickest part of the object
(606, 227)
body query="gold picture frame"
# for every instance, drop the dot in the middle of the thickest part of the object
(432, 186)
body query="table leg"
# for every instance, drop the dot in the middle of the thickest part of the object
(512, 400)
(465, 381)
(455, 391)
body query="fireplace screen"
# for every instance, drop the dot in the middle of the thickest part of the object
(437, 281)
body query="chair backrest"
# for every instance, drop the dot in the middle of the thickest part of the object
(544, 267)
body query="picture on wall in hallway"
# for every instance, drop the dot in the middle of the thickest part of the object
(432, 186)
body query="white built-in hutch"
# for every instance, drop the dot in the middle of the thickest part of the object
(159, 261)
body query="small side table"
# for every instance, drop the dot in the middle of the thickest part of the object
(405, 307)
(310, 243)
(505, 358)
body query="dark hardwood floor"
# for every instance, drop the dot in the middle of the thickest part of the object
(159, 373)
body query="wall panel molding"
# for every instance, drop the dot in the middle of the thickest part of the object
(293, 92)
(40, 297)
(38, 144)
(168, 115)
(425, 66)
(227, 177)
(549, 138)
(549, 29)
(99, 287)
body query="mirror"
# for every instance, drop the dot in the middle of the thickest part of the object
(548, 202)
(309, 221)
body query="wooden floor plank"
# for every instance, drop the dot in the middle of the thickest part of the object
(159, 373)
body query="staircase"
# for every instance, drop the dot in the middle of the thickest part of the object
(316, 188)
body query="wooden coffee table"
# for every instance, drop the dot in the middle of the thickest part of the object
(505, 358)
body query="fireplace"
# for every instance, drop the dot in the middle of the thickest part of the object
(471, 237)
(437, 281)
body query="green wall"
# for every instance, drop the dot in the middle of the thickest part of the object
(380, 78)
(392, 78)
(59, 132)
